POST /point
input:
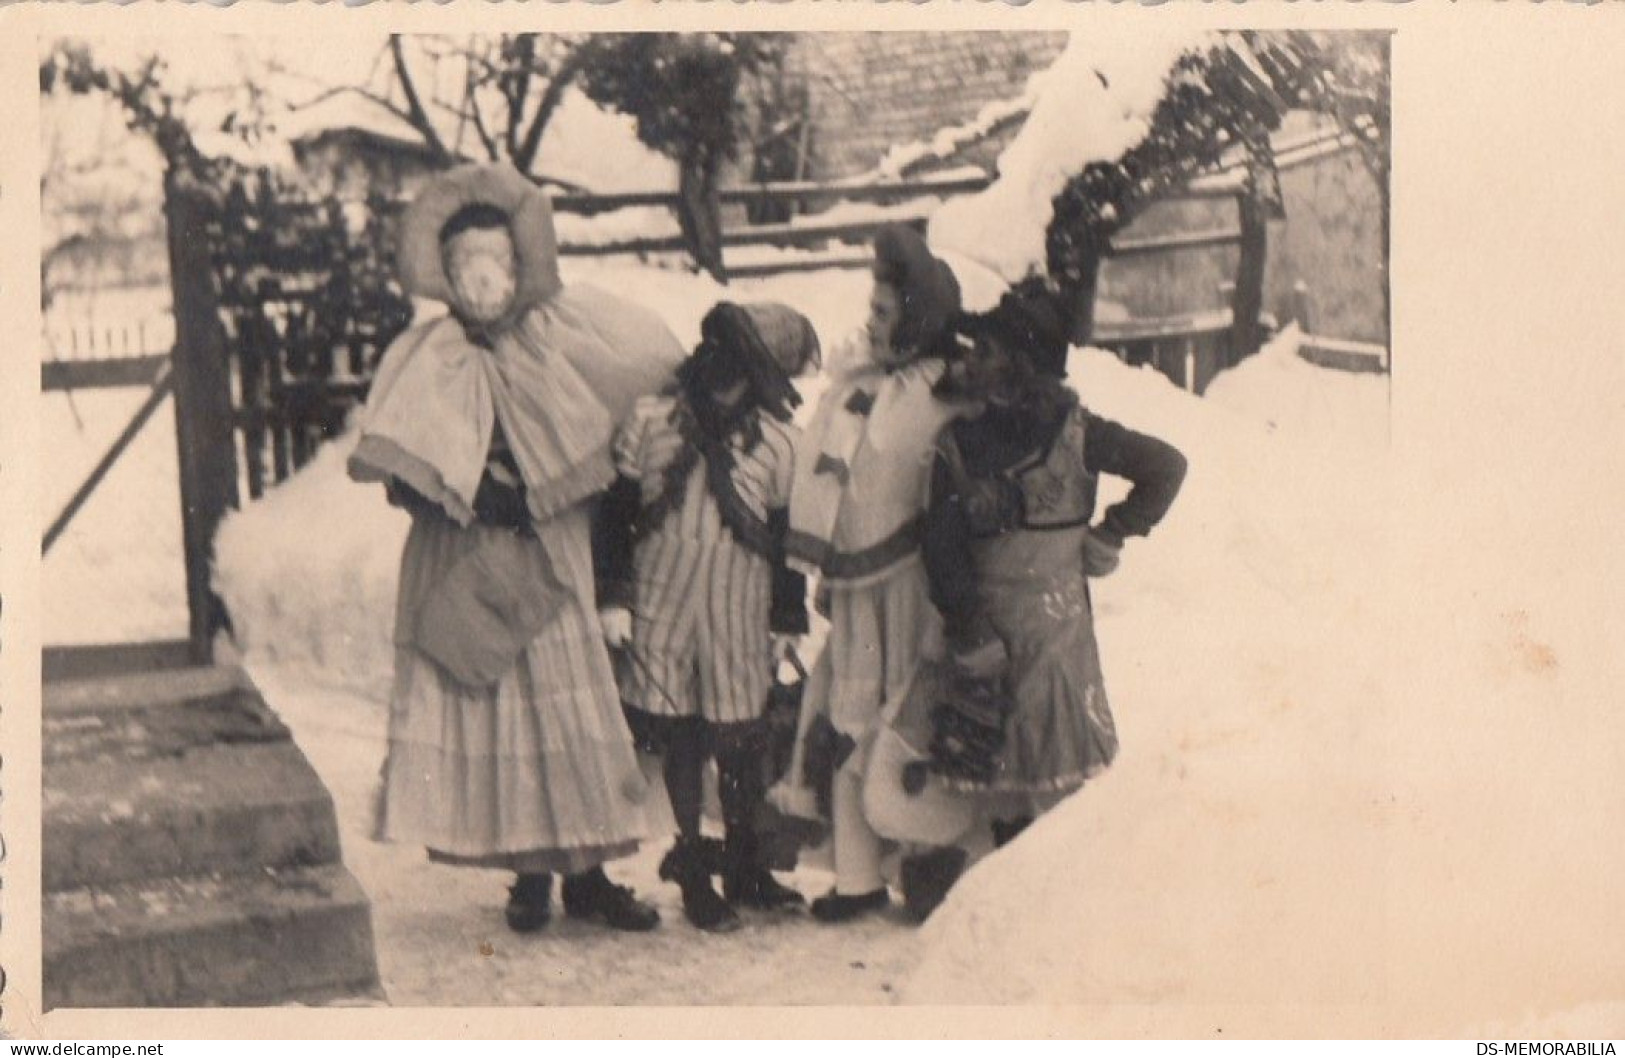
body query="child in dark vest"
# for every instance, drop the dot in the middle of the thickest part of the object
(695, 592)
(1021, 719)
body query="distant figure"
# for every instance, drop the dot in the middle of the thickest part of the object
(507, 745)
(694, 587)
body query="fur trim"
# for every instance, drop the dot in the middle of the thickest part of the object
(530, 214)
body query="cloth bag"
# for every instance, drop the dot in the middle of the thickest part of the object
(934, 814)
(491, 605)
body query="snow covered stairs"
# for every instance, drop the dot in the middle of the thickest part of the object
(190, 853)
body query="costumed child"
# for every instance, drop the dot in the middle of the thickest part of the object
(492, 425)
(694, 587)
(1018, 716)
(855, 521)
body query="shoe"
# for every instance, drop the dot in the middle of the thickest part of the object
(756, 888)
(927, 878)
(839, 907)
(1007, 830)
(530, 901)
(591, 895)
(686, 865)
(747, 880)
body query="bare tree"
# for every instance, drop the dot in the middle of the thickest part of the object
(479, 96)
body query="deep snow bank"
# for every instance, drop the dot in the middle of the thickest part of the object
(1365, 788)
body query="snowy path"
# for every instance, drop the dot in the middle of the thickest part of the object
(442, 942)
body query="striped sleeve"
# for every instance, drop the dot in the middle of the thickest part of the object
(629, 447)
(781, 440)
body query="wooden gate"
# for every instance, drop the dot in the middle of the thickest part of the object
(282, 309)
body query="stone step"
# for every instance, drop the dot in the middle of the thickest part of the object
(228, 808)
(262, 938)
(191, 853)
(87, 661)
(175, 772)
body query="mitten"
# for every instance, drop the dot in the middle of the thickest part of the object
(1100, 553)
(616, 622)
(410, 500)
(502, 505)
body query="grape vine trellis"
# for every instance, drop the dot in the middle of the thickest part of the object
(1228, 97)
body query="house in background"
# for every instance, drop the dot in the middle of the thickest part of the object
(348, 146)
(869, 94)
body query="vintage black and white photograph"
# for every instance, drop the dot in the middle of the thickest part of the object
(596, 519)
(539, 519)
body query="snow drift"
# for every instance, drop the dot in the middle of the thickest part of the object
(1343, 759)
(1092, 104)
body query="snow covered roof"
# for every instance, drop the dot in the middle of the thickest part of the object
(584, 146)
(349, 110)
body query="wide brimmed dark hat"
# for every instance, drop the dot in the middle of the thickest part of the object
(530, 222)
(1030, 320)
(926, 285)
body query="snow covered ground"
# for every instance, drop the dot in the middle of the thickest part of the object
(117, 573)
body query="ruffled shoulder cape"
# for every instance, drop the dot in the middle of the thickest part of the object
(557, 381)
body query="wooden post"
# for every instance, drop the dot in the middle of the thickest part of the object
(203, 410)
(1248, 300)
(1301, 310)
(1081, 297)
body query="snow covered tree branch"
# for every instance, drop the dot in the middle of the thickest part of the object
(1226, 97)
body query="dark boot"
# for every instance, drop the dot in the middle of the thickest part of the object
(928, 876)
(746, 881)
(1007, 830)
(839, 907)
(591, 895)
(688, 866)
(530, 902)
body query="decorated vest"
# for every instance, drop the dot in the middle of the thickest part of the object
(1044, 490)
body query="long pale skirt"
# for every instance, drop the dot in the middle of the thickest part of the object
(877, 635)
(535, 774)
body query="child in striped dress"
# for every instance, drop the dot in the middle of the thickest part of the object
(694, 587)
